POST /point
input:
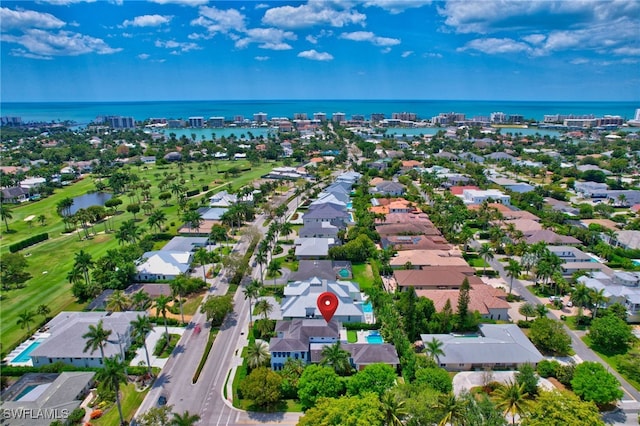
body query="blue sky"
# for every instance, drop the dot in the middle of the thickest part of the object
(76, 50)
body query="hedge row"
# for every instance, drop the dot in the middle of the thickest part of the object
(237, 278)
(59, 367)
(192, 192)
(28, 242)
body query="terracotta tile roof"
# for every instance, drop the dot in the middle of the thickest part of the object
(482, 297)
(429, 258)
(436, 276)
(457, 190)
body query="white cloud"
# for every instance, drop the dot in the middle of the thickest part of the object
(44, 44)
(220, 21)
(191, 3)
(315, 56)
(432, 55)
(179, 47)
(24, 54)
(261, 6)
(312, 14)
(534, 38)
(311, 39)
(144, 56)
(261, 58)
(396, 6)
(406, 53)
(65, 2)
(627, 51)
(579, 61)
(148, 21)
(496, 45)
(26, 19)
(371, 38)
(267, 38)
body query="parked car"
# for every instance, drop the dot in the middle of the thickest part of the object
(570, 304)
(554, 298)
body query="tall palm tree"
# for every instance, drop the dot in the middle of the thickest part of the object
(118, 301)
(511, 398)
(141, 327)
(178, 287)
(156, 219)
(581, 297)
(84, 262)
(5, 213)
(202, 257)
(111, 376)
(96, 337)
(257, 354)
(336, 357)
(140, 300)
(184, 419)
(434, 349)
(513, 271)
(25, 319)
(261, 260)
(393, 408)
(161, 304)
(43, 310)
(252, 291)
(597, 298)
(486, 253)
(264, 308)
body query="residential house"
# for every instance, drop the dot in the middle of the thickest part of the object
(591, 189)
(186, 244)
(35, 395)
(414, 242)
(624, 198)
(435, 277)
(617, 287)
(313, 248)
(15, 195)
(476, 196)
(301, 299)
(494, 347)
(327, 213)
(162, 265)
(419, 259)
(489, 302)
(574, 260)
(322, 269)
(470, 156)
(319, 230)
(550, 237)
(629, 240)
(349, 177)
(388, 188)
(336, 200)
(407, 165)
(304, 339)
(32, 183)
(501, 156)
(65, 343)
(378, 165)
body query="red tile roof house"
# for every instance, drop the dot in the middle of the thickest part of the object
(436, 277)
(490, 302)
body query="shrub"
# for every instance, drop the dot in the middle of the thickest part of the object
(28, 242)
(192, 192)
(548, 368)
(160, 345)
(524, 324)
(76, 416)
(564, 374)
(96, 413)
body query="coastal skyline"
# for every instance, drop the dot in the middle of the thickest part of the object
(57, 50)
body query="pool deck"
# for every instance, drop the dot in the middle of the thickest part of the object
(38, 335)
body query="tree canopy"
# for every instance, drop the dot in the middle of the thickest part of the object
(550, 336)
(561, 409)
(376, 378)
(363, 410)
(318, 381)
(591, 382)
(262, 386)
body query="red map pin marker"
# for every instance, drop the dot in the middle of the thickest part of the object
(327, 303)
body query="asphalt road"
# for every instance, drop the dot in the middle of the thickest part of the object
(206, 396)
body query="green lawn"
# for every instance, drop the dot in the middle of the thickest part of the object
(51, 260)
(477, 263)
(363, 275)
(352, 336)
(130, 400)
(191, 305)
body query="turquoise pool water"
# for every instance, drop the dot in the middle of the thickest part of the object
(374, 338)
(367, 308)
(349, 205)
(24, 355)
(25, 391)
(636, 262)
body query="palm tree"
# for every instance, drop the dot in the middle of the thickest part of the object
(597, 298)
(541, 310)
(161, 303)
(264, 308)
(111, 376)
(25, 319)
(336, 357)
(118, 301)
(43, 310)
(261, 260)
(434, 349)
(42, 219)
(511, 398)
(252, 291)
(83, 262)
(96, 337)
(486, 253)
(528, 310)
(156, 219)
(140, 300)
(257, 354)
(513, 271)
(141, 327)
(453, 410)
(581, 297)
(202, 257)
(178, 287)
(393, 408)
(184, 419)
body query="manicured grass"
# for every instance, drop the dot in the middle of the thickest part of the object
(168, 349)
(191, 305)
(292, 266)
(572, 323)
(363, 275)
(130, 400)
(352, 336)
(477, 263)
(50, 261)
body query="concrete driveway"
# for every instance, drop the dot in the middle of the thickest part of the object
(466, 380)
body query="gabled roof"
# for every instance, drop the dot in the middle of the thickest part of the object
(164, 262)
(325, 211)
(549, 237)
(366, 354)
(14, 192)
(301, 298)
(436, 276)
(313, 246)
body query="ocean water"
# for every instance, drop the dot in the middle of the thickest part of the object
(85, 112)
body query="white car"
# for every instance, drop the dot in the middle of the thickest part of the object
(570, 304)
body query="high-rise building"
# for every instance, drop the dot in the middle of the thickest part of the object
(117, 121)
(377, 116)
(196, 122)
(216, 121)
(320, 116)
(339, 117)
(260, 117)
(300, 116)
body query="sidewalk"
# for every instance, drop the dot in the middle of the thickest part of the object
(152, 339)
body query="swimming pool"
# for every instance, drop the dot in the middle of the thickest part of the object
(374, 338)
(367, 308)
(24, 355)
(25, 391)
(349, 205)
